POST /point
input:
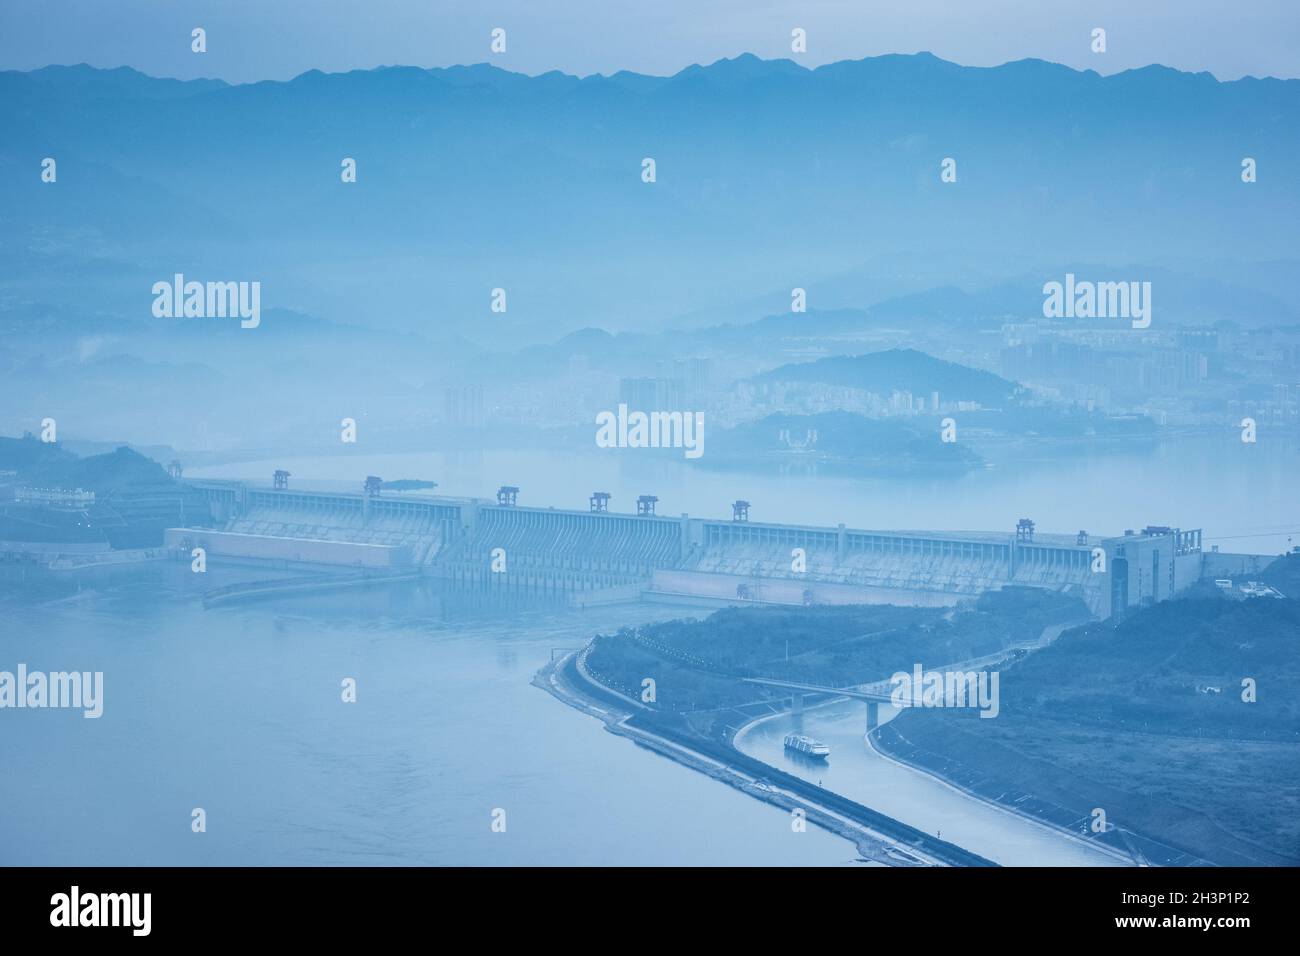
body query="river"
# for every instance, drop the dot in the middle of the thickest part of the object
(239, 711)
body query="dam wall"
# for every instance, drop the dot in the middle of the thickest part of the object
(724, 589)
(498, 544)
(576, 549)
(292, 551)
(788, 563)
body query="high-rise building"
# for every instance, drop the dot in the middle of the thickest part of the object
(463, 405)
(637, 393)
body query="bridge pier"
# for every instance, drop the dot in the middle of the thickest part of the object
(796, 704)
(873, 715)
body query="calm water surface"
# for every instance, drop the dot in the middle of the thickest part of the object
(237, 710)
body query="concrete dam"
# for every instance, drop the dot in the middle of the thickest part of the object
(598, 556)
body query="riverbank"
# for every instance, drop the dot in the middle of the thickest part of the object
(892, 743)
(1064, 799)
(701, 694)
(862, 772)
(1149, 722)
(879, 839)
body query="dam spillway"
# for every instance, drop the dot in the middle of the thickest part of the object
(502, 544)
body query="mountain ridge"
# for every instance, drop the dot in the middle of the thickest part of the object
(743, 65)
(768, 174)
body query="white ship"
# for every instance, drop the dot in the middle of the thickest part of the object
(807, 746)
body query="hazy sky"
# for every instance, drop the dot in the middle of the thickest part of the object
(277, 39)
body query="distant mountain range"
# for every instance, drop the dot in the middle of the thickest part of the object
(769, 176)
